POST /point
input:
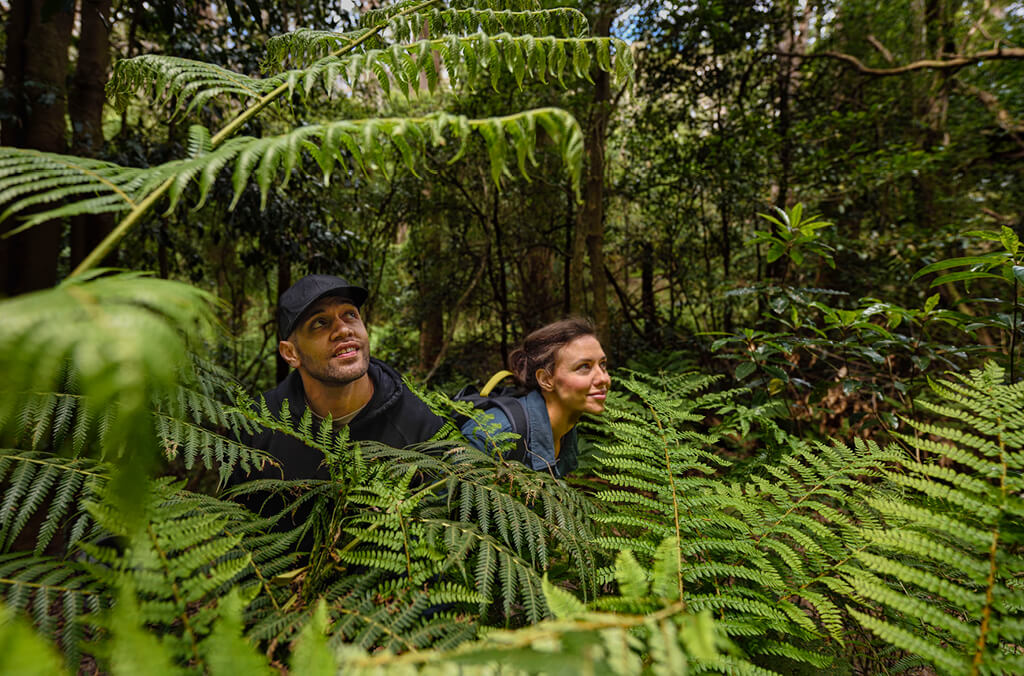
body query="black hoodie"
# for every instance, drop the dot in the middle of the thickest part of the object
(394, 416)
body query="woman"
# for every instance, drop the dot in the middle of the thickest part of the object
(564, 372)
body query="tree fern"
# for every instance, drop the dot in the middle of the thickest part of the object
(470, 45)
(337, 146)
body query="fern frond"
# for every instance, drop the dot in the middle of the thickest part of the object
(470, 61)
(32, 179)
(185, 84)
(57, 593)
(306, 45)
(270, 160)
(948, 660)
(557, 21)
(39, 480)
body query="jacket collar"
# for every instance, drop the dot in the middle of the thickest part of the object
(387, 389)
(541, 454)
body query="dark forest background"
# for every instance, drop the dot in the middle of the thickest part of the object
(897, 123)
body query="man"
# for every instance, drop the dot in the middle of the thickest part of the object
(323, 338)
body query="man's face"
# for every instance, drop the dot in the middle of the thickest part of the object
(330, 343)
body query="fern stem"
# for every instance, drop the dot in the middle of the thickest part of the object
(115, 236)
(176, 592)
(36, 585)
(47, 463)
(993, 550)
(675, 503)
(111, 240)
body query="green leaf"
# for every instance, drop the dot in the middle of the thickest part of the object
(697, 633)
(226, 650)
(987, 260)
(23, 651)
(961, 276)
(1009, 239)
(745, 369)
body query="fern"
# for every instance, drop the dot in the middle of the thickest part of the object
(365, 144)
(954, 565)
(746, 550)
(175, 566)
(46, 491)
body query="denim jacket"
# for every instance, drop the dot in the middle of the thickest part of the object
(541, 453)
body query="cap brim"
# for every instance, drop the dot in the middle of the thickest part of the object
(356, 294)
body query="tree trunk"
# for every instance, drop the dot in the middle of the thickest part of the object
(429, 250)
(86, 110)
(539, 305)
(284, 280)
(591, 226)
(647, 299)
(35, 77)
(794, 41)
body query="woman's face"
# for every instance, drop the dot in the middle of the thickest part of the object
(580, 380)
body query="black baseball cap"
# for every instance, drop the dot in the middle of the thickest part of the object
(308, 290)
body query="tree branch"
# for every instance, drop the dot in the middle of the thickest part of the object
(877, 44)
(952, 63)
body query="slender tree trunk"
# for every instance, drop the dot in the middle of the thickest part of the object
(591, 225)
(86, 110)
(793, 40)
(503, 305)
(431, 317)
(647, 300)
(35, 80)
(569, 267)
(536, 269)
(284, 280)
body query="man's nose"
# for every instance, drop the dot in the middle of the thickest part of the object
(340, 327)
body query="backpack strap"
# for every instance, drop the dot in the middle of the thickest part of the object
(493, 382)
(515, 411)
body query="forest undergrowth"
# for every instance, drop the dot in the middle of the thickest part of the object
(670, 551)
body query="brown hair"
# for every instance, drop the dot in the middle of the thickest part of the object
(539, 349)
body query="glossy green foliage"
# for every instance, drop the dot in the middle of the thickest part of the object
(793, 236)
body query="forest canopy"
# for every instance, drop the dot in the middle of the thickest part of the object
(795, 225)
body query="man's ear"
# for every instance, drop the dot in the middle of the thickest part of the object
(288, 353)
(544, 379)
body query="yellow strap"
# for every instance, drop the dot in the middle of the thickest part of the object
(495, 379)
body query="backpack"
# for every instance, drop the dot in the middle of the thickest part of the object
(504, 399)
